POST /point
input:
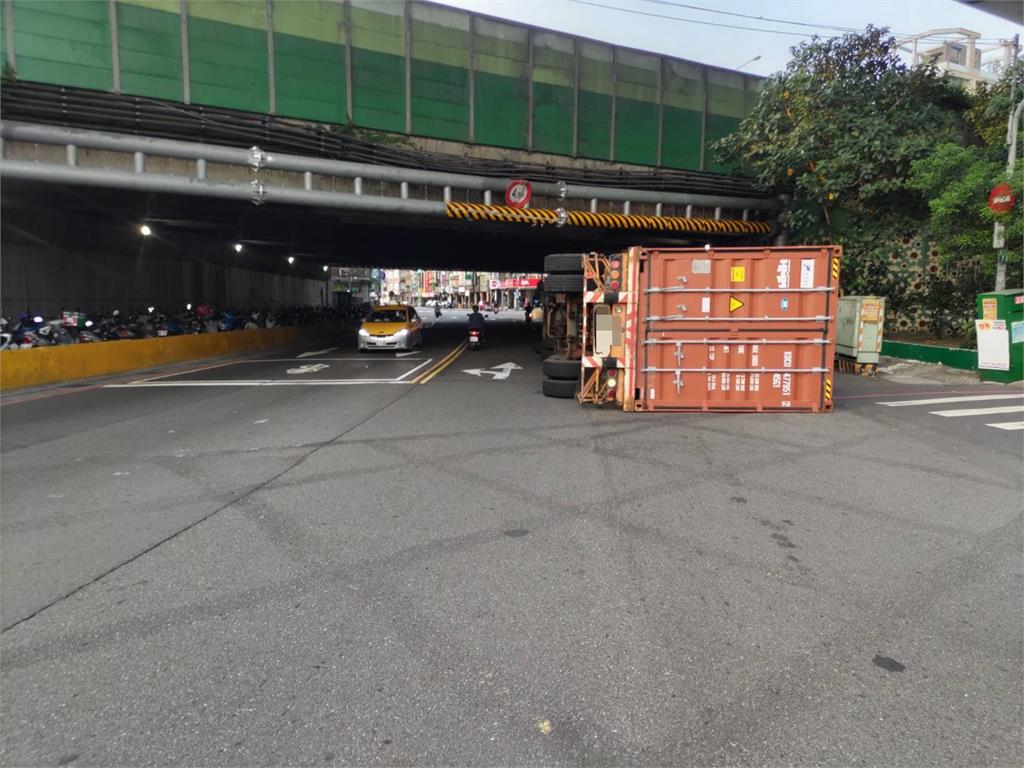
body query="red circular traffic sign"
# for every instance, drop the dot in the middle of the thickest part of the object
(1001, 199)
(518, 193)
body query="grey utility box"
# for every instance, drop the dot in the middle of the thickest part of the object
(859, 328)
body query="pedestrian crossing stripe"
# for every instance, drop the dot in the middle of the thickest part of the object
(965, 409)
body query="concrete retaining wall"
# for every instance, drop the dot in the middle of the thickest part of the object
(46, 365)
(965, 359)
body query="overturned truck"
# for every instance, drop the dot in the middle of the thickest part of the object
(693, 329)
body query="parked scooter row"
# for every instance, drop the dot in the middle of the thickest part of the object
(33, 330)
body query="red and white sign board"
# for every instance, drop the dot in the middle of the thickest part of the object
(1001, 199)
(518, 193)
(514, 282)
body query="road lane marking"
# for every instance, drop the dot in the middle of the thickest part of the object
(190, 370)
(940, 400)
(369, 358)
(1008, 425)
(255, 383)
(980, 411)
(413, 370)
(445, 361)
(317, 352)
(875, 396)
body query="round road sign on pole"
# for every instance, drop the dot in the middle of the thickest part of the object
(518, 193)
(1001, 199)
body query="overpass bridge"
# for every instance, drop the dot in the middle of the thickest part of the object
(351, 133)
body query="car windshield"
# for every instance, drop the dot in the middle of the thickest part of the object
(388, 316)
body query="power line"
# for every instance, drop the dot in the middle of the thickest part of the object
(748, 16)
(692, 7)
(935, 39)
(692, 21)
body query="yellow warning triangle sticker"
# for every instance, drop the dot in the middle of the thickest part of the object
(734, 303)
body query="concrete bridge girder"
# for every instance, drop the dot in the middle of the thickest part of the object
(104, 159)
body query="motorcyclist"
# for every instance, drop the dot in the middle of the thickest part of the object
(476, 320)
(437, 309)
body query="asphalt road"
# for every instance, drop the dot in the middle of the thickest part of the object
(389, 567)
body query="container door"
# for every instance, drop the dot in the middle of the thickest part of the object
(737, 329)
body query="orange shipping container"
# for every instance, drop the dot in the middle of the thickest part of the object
(733, 329)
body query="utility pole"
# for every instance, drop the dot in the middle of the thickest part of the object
(998, 229)
(997, 234)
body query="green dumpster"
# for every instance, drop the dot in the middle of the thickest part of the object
(1000, 326)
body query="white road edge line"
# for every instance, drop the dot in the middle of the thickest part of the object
(186, 373)
(940, 400)
(1008, 425)
(979, 411)
(364, 359)
(407, 373)
(253, 383)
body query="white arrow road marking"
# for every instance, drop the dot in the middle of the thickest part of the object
(311, 368)
(505, 370)
(502, 371)
(318, 352)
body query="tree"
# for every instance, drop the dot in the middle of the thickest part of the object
(955, 180)
(874, 152)
(840, 127)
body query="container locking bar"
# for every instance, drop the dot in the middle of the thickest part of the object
(734, 370)
(737, 342)
(822, 289)
(783, 318)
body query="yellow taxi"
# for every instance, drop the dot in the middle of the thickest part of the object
(392, 326)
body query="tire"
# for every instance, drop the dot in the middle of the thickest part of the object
(571, 263)
(559, 283)
(559, 388)
(558, 367)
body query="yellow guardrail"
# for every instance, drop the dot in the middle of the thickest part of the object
(46, 365)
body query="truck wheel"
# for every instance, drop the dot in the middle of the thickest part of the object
(564, 262)
(567, 283)
(559, 388)
(558, 367)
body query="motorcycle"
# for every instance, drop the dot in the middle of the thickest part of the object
(437, 311)
(476, 339)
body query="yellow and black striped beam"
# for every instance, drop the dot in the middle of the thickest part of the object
(501, 213)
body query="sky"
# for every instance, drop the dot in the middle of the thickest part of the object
(729, 47)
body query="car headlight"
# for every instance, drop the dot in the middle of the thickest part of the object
(363, 332)
(403, 332)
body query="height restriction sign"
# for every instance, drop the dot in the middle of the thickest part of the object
(518, 193)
